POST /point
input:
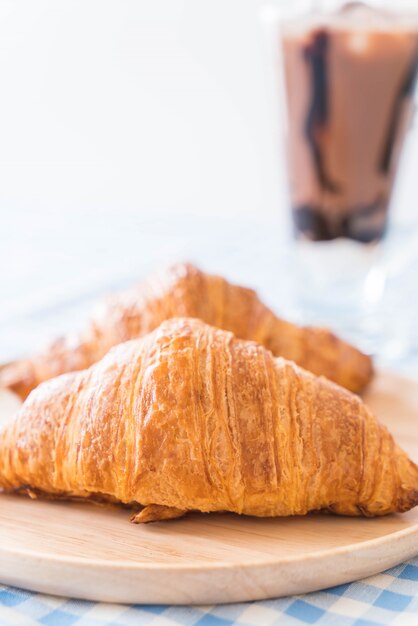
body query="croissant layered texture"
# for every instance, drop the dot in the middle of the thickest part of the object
(184, 291)
(191, 418)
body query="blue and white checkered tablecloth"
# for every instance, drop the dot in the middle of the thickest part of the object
(388, 598)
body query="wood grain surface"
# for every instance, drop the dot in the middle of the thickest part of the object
(87, 551)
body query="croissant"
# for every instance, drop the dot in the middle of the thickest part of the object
(185, 291)
(191, 418)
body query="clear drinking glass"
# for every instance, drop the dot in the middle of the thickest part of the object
(347, 77)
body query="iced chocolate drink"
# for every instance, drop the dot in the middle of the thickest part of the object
(349, 81)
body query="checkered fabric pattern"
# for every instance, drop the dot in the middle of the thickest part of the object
(388, 598)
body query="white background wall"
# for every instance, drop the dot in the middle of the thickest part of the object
(152, 105)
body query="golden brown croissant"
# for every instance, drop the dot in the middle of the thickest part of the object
(185, 291)
(191, 418)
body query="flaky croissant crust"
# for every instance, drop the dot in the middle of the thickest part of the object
(191, 418)
(183, 290)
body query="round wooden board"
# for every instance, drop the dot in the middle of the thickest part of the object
(83, 551)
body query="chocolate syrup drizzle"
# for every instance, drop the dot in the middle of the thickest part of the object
(406, 90)
(315, 55)
(356, 225)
